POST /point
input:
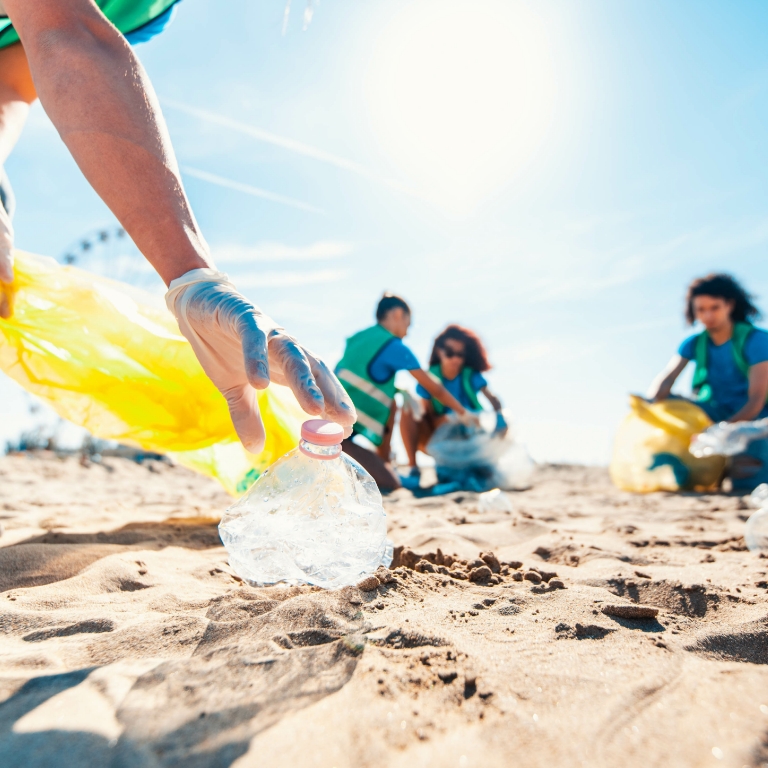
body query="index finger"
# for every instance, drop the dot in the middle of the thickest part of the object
(338, 404)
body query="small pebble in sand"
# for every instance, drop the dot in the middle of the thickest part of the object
(631, 611)
(517, 576)
(533, 577)
(458, 575)
(384, 575)
(368, 584)
(491, 561)
(482, 573)
(556, 584)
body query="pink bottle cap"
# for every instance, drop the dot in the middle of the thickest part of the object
(322, 432)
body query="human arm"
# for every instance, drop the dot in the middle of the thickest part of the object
(757, 394)
(662, 385)
(501, 423)
(17, 92)
(100, 100)
(438, 391)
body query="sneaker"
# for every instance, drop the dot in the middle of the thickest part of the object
(412, 480)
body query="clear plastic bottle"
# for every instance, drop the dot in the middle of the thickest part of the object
(726, 439)
(756, 529)
(314, 516)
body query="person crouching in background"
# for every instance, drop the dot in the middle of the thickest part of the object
(730, 382)
(367, 370)
(458, 361)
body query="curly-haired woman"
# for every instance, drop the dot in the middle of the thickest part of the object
(730, 381)
(458, 361)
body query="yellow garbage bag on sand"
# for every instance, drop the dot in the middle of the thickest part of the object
(651, 449)
(110, 358)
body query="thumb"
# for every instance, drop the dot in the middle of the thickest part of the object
(244, 411)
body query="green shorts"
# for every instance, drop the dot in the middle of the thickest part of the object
(131, 17)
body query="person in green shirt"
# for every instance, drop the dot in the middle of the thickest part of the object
(367, 371)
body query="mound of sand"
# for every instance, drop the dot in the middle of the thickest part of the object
(497, 638)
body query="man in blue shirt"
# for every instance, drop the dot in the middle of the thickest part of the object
(372, 358)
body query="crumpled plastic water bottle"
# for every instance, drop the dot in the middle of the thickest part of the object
(726, 439)
(494, 501)
(314, 516)
(756, 529)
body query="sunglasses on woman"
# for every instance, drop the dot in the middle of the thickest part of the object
(449, 353)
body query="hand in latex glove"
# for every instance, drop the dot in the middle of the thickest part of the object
(6, 264)
(241, 349)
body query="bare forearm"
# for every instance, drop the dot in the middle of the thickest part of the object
(99, 98)
(661, 390)
(438, 391)
(17, 92)
(748, 413)
(493, 400)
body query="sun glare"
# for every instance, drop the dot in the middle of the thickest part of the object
(461, 95)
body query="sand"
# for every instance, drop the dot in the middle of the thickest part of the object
(128, 641)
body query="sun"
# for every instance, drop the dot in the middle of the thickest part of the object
(461, 94)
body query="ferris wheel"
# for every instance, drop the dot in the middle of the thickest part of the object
(110, 252)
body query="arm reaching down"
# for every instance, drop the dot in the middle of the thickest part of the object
(501, 423)
(758, 393)
(17, 92)
(439, 392)
(663, 383)
(101, 102)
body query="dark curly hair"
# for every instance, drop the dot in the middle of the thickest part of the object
(476, 357)
(721, 286)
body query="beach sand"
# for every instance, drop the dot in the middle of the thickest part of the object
(128, 641)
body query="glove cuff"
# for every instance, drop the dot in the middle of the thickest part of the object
(190, 278)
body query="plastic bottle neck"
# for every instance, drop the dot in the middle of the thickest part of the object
(321, 452)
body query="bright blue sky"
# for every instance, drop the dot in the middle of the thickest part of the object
(552, 175)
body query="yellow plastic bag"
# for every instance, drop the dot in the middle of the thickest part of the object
(110, 358)
(651, 449)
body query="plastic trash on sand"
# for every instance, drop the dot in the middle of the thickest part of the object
(479, 458)
(756, 528)
(651, 450)
(314, 516)
(494, 501)
(110, 358)
(726, 439)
